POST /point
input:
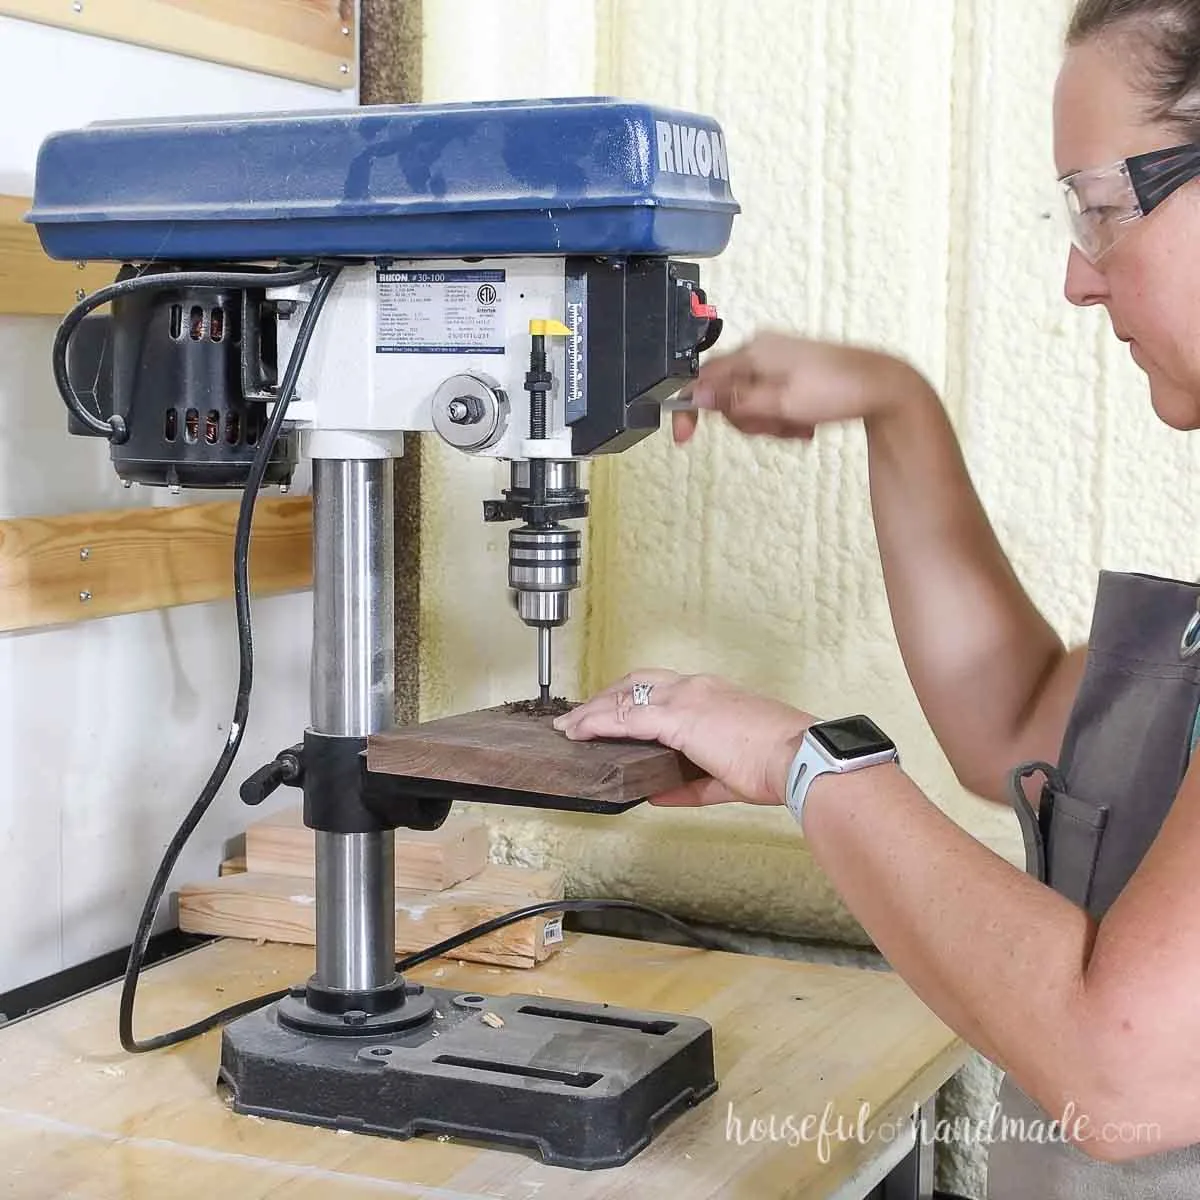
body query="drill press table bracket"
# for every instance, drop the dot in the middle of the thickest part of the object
(509, 755)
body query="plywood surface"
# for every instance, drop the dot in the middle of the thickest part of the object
(79, 1117)
(55, 570)
(309, 40)
(32, 284)
(496, 747)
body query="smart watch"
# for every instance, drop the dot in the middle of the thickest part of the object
(834, 747)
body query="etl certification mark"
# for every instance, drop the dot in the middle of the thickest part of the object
(486, 294)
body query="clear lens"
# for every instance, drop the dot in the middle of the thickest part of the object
(1100, 205)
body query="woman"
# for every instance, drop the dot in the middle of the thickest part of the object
(1086, 992)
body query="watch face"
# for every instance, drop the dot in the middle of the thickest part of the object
(852, 737)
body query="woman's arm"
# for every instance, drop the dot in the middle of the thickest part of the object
(994, 680)
(1100, 1017)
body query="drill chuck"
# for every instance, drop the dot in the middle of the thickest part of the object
(543, 569)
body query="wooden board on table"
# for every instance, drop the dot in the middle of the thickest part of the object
(32, 285)
(279, 908)
(308, 40)
(79, 1117)
(495, 879)
(55, 570)
(506, 747)
(426, 860)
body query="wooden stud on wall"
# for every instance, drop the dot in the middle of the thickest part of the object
(308, 40)
(57, 570)
(32, 285)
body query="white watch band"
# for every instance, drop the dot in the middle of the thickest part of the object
(811, 762)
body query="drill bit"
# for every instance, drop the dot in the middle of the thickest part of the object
(544, 663)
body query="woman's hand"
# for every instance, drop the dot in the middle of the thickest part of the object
(744, 742)
(786, 386)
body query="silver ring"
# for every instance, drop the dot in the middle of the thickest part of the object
(641, 693)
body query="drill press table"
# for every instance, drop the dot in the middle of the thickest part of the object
(80, 1118)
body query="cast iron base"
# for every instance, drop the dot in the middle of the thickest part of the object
(585, 1085)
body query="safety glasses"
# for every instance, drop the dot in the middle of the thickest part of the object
(1102, 202)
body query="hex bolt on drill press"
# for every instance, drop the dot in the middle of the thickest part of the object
(504, 275)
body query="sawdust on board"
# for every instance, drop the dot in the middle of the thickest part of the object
(554, 707)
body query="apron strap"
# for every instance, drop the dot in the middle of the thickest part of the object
(1031, 830)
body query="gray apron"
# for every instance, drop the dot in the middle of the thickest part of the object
(1125, 751)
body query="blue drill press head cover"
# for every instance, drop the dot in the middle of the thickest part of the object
(528, 177)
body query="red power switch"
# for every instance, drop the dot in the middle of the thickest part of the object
(706, 312)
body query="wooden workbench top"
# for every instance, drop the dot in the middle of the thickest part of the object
(80, 1118)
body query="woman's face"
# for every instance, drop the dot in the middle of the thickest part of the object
(1149, 281)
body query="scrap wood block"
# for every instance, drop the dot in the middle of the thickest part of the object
(426, 860)
(520, 884)
(515, 747)
(278, 908)
(496, 879)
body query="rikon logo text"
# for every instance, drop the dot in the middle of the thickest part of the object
(685, 150)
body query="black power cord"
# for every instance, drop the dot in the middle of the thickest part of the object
(325, 276)
(533, 910)
(419, 957)
(115, 428)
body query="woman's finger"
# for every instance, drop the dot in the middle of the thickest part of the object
(651, 675)
(752, 425)
(717, 368)
(683, 426)
(747, 398)
(619, 696)
(715, 389)
(626, 710)
(616, 716)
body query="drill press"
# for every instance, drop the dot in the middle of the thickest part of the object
(505, 276)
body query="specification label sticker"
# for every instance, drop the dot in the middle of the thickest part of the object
(440, 312)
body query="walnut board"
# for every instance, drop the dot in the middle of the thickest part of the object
(309, 40)
(496, 748)
(80, 1118)
(426, 860)
(57, 570)
(279, 908)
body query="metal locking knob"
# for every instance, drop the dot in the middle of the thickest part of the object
(470, 411)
